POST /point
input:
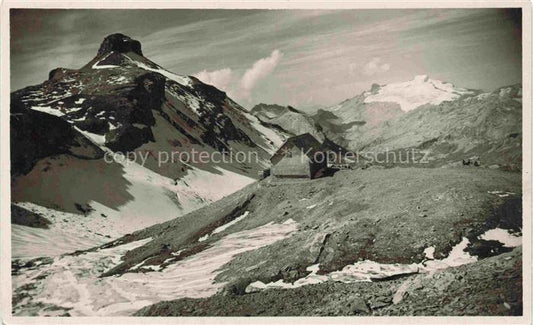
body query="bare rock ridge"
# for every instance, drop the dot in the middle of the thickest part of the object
(287, 119)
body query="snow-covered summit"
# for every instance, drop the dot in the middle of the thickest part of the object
(417, 92)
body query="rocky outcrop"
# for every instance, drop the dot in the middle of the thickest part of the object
(35, 135)
(120, 43)
(149, 92)
(128, 138)
(287, 119)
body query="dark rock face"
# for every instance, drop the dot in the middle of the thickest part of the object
(112, 59)
(127, 107)
(487, 248)
(93, 125)
(149, 94)
(123, 114)
(58, 73)
(210, 93)
(375, 89)
(220, 129)
(128, 138)
(120, 43)
(35, 135)
(21, 216)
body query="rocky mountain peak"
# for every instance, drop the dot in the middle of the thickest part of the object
(119, 43)
(122, 100)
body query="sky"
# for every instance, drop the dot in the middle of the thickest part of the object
(303, 58)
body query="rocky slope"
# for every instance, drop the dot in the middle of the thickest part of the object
(451, 124)
(105, 140)
(287, 119)
(443, 123)
(376, 225)
(486, 127)
(490, 287)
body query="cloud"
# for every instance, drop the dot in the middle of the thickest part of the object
(219, 78)
(375, 66)
(241, 87)
(260, 69)
(314, 48)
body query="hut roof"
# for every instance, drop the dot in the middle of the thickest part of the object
(305, 142)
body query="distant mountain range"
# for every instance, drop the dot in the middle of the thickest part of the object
(448, 122)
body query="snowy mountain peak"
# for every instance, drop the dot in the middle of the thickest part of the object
(119, 43)
(421, 90)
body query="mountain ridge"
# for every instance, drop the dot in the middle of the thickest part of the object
(77, 140)
(436, 121)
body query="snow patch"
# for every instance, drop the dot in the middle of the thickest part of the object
(190, 101)
(73, 282)
(97, 139)
(267, 134)
(457, 257)
(96, 66)
(501, 193)
(182, 80)
(213, 186)
(417, 92)
(482, 96)
(224, 226)
(74, 109)
(367, 271)
(172, 200)
(177, 253)
(428, 252)
(48, 110)
(67, 233)
(69, 280)
(503, 236)
(112, 126)
(203, 238)
(231, 223)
